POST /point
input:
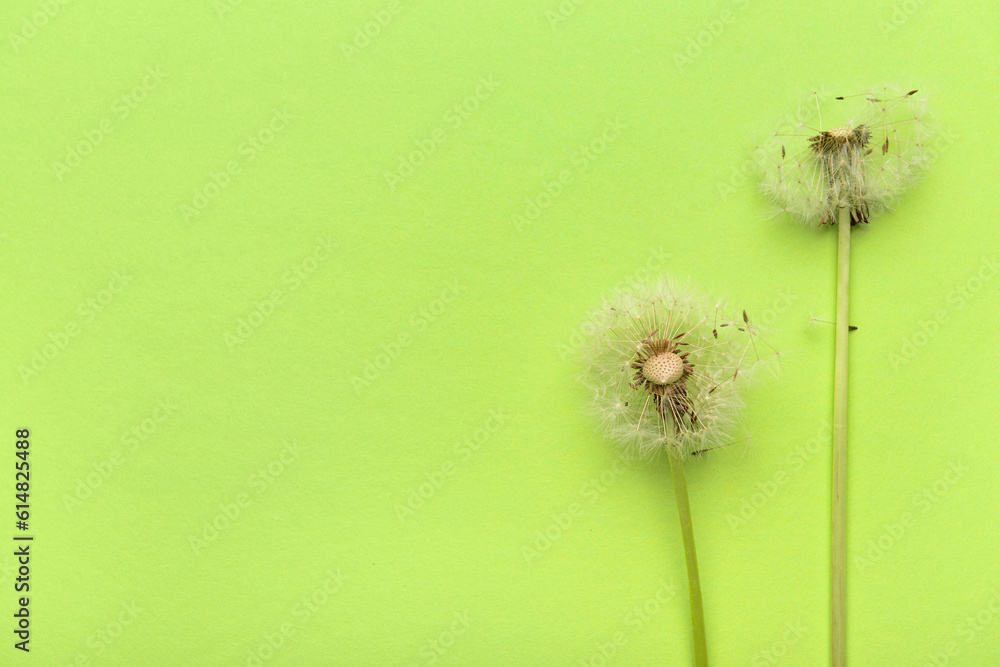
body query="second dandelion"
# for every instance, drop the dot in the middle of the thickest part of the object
(871, 149)
(857, 152)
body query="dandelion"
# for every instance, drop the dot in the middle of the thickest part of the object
(666, 368)
(872, 148)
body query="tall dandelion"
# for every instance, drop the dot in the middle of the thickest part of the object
(842, 160)
(665, 371)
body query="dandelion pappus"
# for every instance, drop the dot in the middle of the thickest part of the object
(812, 168)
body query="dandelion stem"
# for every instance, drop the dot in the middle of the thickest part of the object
(838, 543)
(694, 584)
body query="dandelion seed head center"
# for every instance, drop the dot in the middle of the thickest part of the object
(664, 368)
(834, 141)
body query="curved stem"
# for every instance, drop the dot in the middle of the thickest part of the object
(838, 543)
(694, 584)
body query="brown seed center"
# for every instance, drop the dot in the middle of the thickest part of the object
(841, 133)
(664, 368)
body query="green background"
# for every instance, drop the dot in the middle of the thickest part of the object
(222, 311)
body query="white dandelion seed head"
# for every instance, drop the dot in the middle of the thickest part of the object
(857, 151)
(665, 368)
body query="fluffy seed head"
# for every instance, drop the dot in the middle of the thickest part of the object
(858, 152)
(666, 368)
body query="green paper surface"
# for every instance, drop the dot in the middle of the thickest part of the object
(292, 306)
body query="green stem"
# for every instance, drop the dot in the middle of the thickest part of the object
(838, 543)
(694, 585)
